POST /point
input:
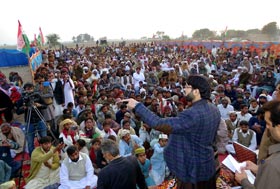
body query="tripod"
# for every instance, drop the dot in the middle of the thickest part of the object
(36, 131)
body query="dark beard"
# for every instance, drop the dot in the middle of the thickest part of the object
(190, 97)
(75, 160)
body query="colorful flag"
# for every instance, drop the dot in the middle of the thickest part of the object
(20, 40)
(225, 32)
(41, 36)
(39, 41)
(26, 47)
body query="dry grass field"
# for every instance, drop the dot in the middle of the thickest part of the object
(24, 72)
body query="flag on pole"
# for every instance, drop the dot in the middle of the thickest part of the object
(225, 32)
(35, 40)
(41, 36)
(26, 47)
(20, 40)
(39, 41)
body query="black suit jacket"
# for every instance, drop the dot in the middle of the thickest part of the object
(121, 173)
(58, 92)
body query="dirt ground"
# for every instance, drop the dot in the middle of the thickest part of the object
(24, 72)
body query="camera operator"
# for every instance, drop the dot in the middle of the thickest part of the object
(29, 102)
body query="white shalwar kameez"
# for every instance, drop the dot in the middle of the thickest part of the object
(69, 92)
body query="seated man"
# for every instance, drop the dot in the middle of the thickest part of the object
(128, 143)
(12, 137)
(5, 172)
(5, 155)
(232, 123)
(244, 136)
(82, 146)
(9, 185)
(267, 172)
(126, 126)
(127, 117)
(76, 171)
(44, 169)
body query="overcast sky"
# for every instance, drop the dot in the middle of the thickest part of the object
(130, 19)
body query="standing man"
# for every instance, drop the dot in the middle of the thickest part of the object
(58, 100)
(121, 172)
(68, 87)
(138, 76)
(76, 171)
(30, 102)
(189, 154)
(267, 140)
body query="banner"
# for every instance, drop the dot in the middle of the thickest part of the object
(274, 46)
(35, 61)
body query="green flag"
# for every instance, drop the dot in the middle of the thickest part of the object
(39, 41)
(26, 47)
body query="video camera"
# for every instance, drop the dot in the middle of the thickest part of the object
(30, 98)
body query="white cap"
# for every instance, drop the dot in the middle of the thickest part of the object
(142, 90)
(232, 112)
(263, 95)
(163, 136)
(124, 132)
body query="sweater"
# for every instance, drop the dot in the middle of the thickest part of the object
(77, 170)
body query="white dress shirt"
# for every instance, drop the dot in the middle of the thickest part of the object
(89, 180)
(253, 143)
(245, 117)
(225, 111)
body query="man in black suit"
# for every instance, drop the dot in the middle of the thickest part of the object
(121, 172)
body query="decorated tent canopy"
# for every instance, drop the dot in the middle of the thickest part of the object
(274, 46)
(12, 57)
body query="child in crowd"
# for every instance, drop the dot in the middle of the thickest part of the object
(15, 95)
(107, 131)
(82, 146)
(159, 168)
(145, 165)
(96, 156)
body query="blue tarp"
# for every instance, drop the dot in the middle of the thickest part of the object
(12, 57)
